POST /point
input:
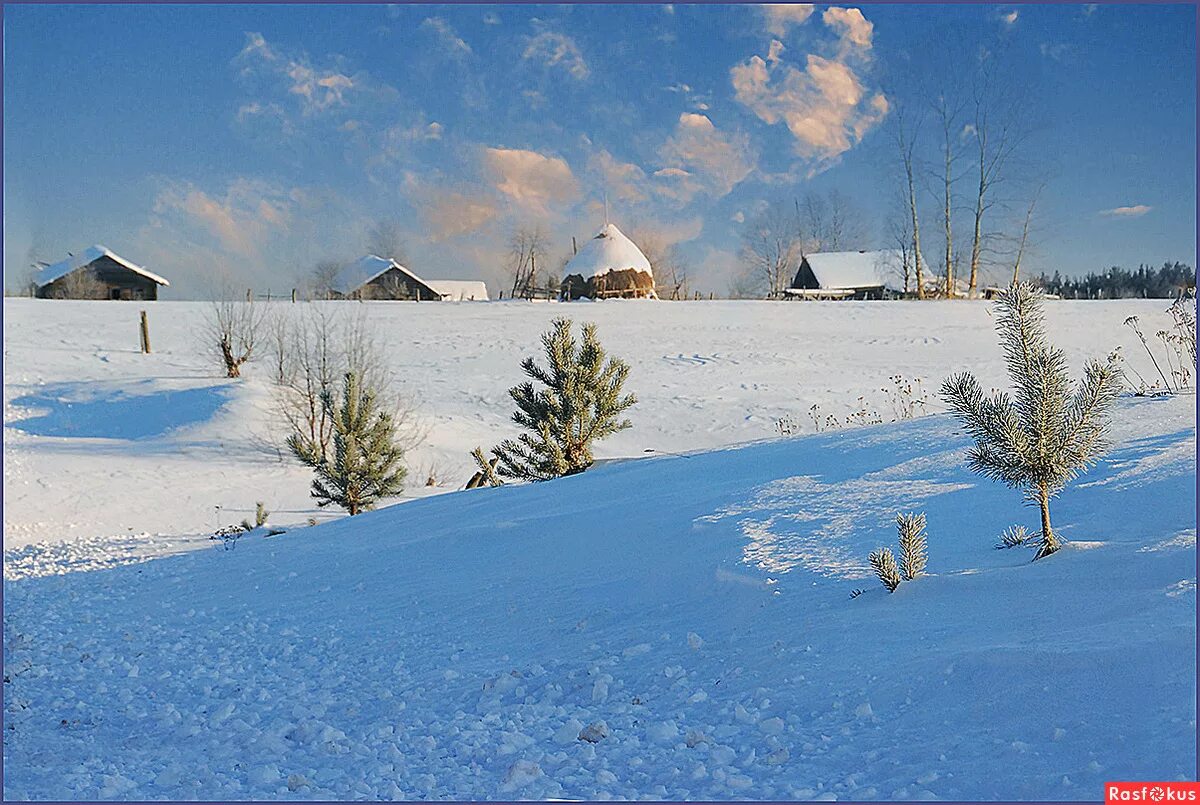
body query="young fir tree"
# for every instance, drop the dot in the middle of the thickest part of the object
(366, 461)
(577, 400)
(884, 565)
(1045, 434)
(913, 554)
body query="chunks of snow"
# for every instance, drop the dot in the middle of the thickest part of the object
(521, 774)
(662, 731)
(594, 732)
(569, 732)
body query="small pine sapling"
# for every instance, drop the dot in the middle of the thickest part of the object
(577, 401)
(1046, 434)
(913, 553)
(1013, 537)
(884, 565)
(367, 462)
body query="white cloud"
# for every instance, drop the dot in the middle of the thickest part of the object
(491, 18)
(850, 24)
(452, 213)
(780, 17)
(704, 157)
(240, 219)
(557, 50)
(623, 180)
(1058, 51)
(317, 89)
(452, 44)
(824, 106)
(533, 180)
(1134, 211)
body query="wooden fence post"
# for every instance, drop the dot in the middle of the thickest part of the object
(145, 331)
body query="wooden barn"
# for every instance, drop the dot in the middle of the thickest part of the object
(609, 266)
(372, 277)
(96, 273)
(849, 275)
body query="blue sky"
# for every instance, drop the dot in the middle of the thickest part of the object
(251, 142)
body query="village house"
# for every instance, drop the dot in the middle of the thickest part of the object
(96, 273)
(608, 266)
(849, 275)
(374, 277)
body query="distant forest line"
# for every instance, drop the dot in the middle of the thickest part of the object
(1167, 282)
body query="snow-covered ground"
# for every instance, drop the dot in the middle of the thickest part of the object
(691, 613)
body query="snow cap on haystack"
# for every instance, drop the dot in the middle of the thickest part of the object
(608, 251)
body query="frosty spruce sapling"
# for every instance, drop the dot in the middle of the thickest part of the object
(577, 401)
(1045, 434)
(366, 461)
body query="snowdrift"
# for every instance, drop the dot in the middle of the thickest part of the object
(699, 606)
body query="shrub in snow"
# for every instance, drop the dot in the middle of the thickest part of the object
(486, 475)
(260, 516)
(884, 565)
(1132, 323)
(576, 401)
(1014, 536)
(229, 535)
(912, 544)
(232, 330)
(1183, 337)
(1046, 434)
(310, 352)
(367, 462)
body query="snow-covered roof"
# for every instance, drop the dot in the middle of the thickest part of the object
(363, 270)
(460, 290)
(857, 269)
(86, 257)
(608, 251)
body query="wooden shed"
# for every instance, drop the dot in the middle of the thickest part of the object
(374, 277)
(848, 275)
(97, 273)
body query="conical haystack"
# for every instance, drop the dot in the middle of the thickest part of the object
(609, 266)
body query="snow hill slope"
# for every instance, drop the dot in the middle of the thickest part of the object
(90, 424)
(698, 606)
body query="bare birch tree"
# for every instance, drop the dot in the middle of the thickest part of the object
(527, 251)
(771, 249)
(829, 222)
(666, 264)
(998, 133)
(386, 239)
(1023, 243)
(947, 110)
(906, 130)
(322, 278)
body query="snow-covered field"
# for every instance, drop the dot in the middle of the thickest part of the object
(697, 605)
